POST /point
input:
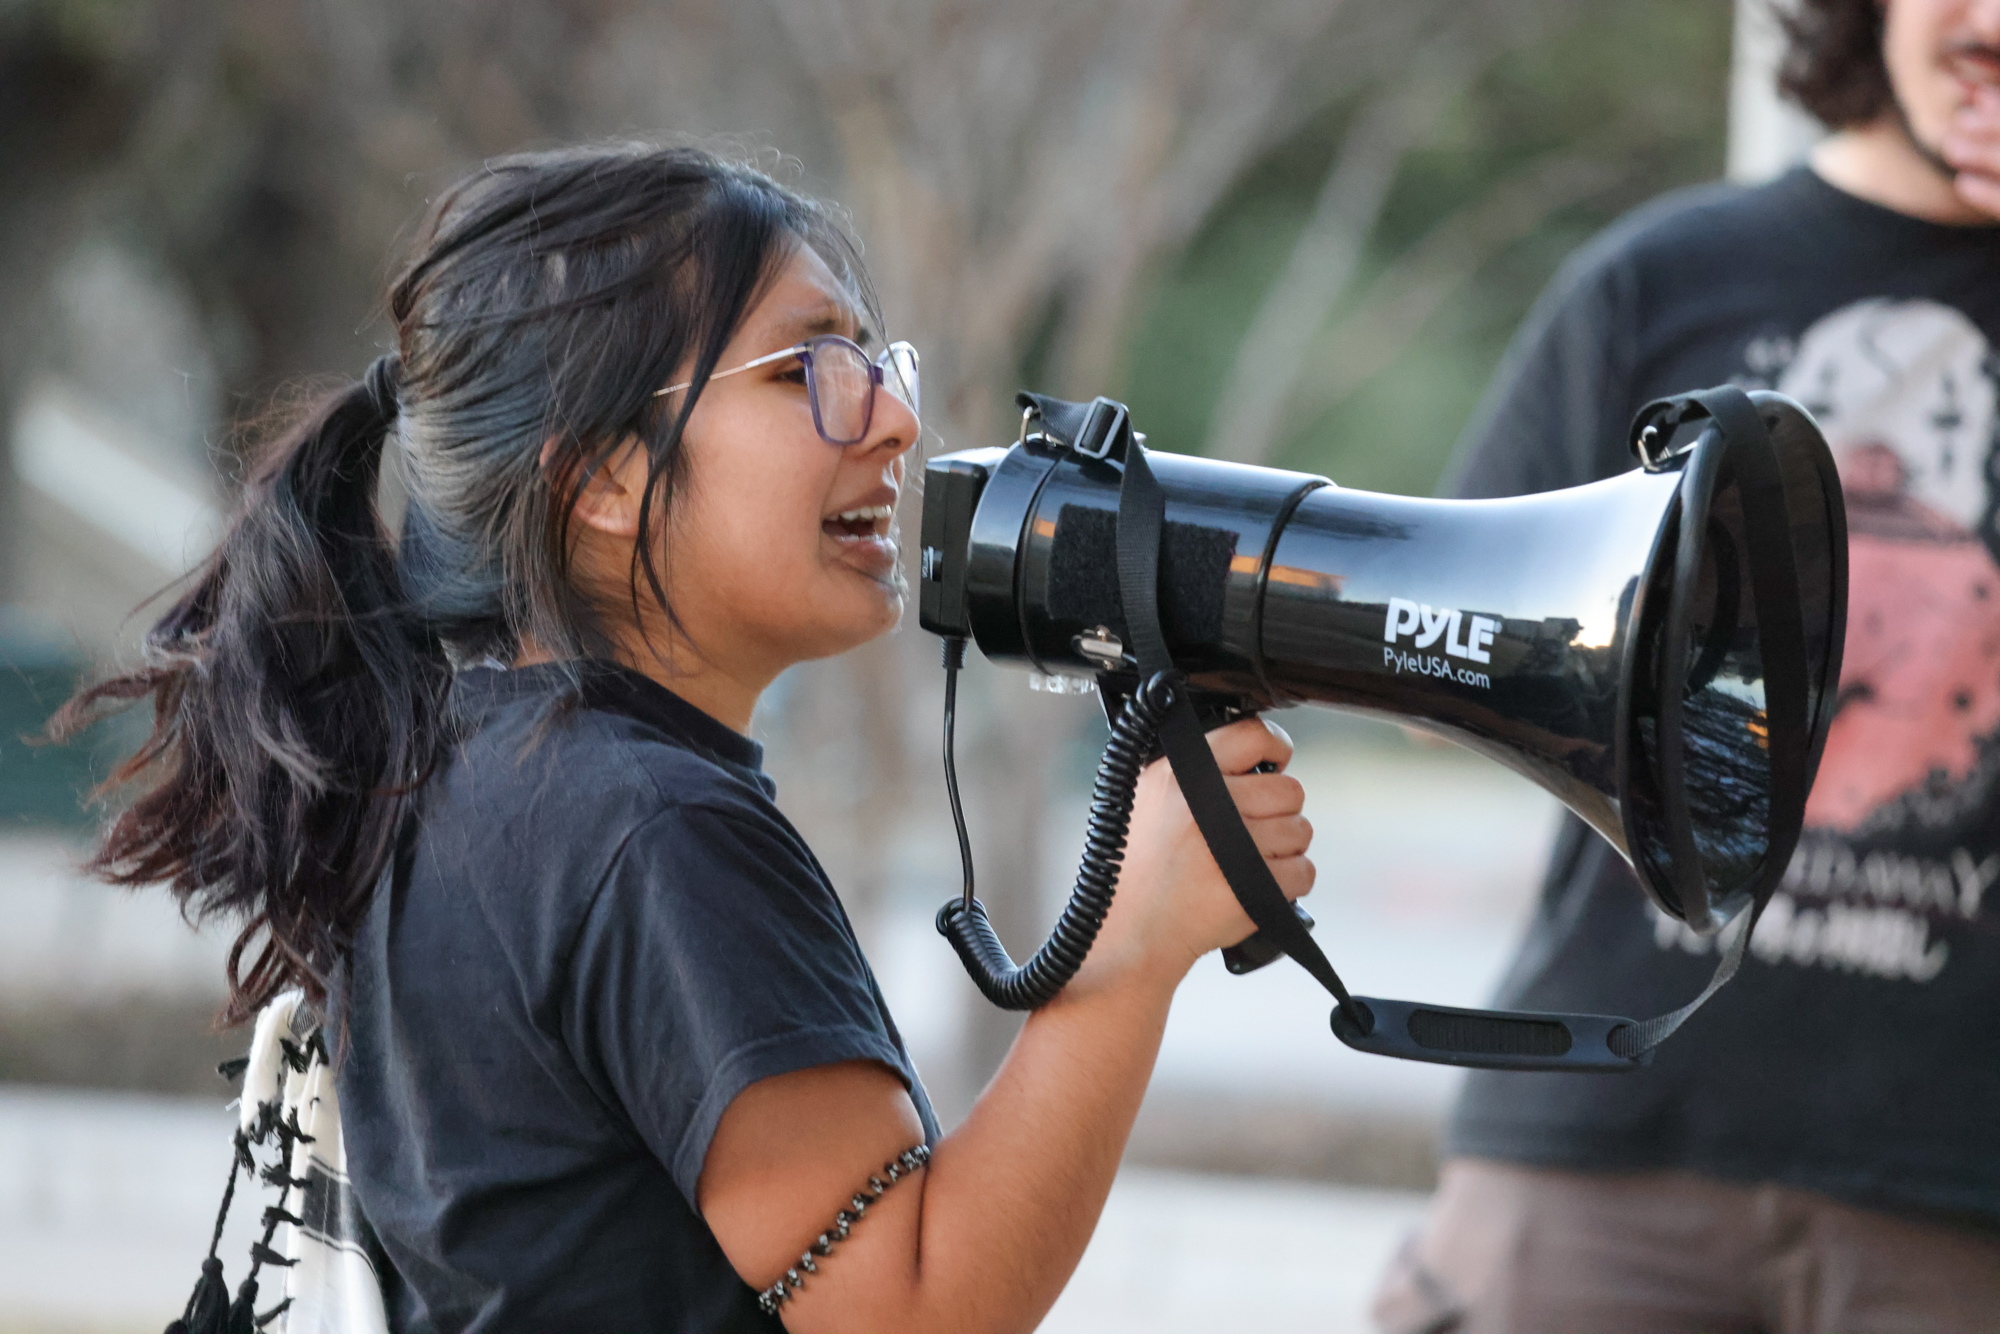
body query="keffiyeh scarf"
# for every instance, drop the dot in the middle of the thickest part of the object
(329, 1258)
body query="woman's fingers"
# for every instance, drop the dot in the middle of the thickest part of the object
(1281, 836)
(1242, 746)
(1295, 876)
(1271, 803)
(1259, 796)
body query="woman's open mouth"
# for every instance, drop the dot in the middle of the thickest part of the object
(870, 521)
(866, 537)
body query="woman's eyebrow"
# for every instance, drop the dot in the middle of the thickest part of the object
(835, 321)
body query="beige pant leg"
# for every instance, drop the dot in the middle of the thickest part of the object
(1520, 1250)
(1836, 1269)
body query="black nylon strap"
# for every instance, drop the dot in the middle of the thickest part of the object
(1060, 417)
(1141, 521)
(1774, 590)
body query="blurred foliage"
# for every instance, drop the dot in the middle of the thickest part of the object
(1638, 85)
(269, 150)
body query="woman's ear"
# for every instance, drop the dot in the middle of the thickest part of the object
(608, 501)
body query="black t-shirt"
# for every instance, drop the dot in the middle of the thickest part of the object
(1858, 1051)
(601, 933)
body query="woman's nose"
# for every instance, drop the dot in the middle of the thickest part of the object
(894, 427)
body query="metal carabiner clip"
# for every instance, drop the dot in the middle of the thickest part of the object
(1028, 414)
(1027, 437)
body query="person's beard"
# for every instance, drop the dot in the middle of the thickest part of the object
(1931, 156)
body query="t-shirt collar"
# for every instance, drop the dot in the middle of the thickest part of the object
(607, 685)
(1868, 213)
(617, 689)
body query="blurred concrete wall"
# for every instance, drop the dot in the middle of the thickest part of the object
(1766, 133)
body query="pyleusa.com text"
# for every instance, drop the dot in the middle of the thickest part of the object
(1429, 664)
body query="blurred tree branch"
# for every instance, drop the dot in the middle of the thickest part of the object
(1250, 418)
(1389, 121)
(1393, 309)
(1004, 158)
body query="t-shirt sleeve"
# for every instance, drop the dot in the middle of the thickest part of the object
(1556, 412)
(714, 955)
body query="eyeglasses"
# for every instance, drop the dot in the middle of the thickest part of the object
(840, 383)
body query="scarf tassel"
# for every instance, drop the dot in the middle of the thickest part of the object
(208, 1305)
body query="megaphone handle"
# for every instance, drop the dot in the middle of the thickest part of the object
(1258, 949)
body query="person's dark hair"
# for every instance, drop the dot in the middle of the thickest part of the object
(299, 685)
(1833, 64)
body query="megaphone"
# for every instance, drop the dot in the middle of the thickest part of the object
(1660, 651)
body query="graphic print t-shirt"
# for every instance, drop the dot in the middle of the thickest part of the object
(1858, 1052)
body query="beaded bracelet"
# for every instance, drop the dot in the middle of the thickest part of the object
(902, 1165)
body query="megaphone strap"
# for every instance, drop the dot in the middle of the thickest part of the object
(1446, 1034)
(1141, 520)
(1747, 447)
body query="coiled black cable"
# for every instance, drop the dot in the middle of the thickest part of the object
(963, 920)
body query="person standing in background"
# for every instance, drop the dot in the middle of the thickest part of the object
(1816, 1150)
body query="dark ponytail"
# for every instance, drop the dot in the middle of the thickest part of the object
(300, 685)
(297, 703)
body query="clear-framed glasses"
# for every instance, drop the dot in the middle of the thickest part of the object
(840, 382)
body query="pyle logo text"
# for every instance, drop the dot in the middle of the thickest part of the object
(1428, 624)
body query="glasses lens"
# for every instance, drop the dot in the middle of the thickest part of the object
(843, 389)
(899, 375)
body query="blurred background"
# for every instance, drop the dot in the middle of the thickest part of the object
(1295, 232)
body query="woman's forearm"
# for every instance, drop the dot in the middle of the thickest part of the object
(1012, 1196)
(983, 1239)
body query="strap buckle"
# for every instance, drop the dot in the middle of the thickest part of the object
(1100, 429)
(1107, 427)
